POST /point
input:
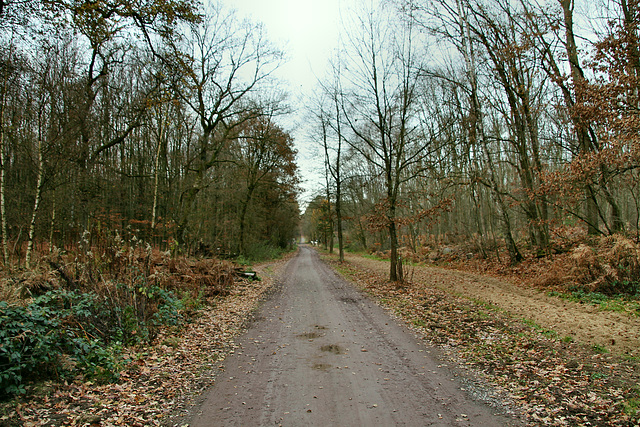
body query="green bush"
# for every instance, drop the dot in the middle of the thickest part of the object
(29, 343)
(83, 329)
(96, 361)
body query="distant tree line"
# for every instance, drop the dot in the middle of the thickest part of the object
(507, 125)
(153, 118)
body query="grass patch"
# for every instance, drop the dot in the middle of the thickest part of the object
(616, 303)
(600, 349)
(487, 305)
(483, 315)
(385, 301)
(405, 262)
(631, 358)
(373, 257)
(419, 323)
(549, 333)
(632, 406)
(343, 270)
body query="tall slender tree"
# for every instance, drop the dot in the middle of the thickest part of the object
(380, 109)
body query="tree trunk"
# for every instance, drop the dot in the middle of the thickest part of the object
(36, 206)
(243, 215)
(339, 224)
(393, 245)
(329, 226)
(540, 203)
(617, 224)
(584, 141)
(188, 197)
(339, 185)
(243, 220)
(52, 225)
(467, 51)
(156, 177)
(362, 234)
(3, 212)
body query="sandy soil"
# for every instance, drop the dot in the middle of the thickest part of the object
(320, 352)
(617, 332)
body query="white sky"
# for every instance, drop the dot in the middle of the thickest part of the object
(308, 31)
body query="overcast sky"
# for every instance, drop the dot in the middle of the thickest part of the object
(308, 31)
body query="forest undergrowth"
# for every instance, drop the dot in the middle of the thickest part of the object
(112, 333)
(608, 265)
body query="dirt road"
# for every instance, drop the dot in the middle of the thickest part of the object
(320, 353)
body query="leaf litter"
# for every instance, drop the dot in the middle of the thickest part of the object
(159, 382)
(551, 380)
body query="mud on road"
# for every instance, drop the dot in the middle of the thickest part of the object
(319, 352)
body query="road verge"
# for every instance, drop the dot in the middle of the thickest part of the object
(555, 380)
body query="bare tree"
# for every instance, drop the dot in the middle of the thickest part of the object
(223, 63)
(380, 106)
(327, 115)
(47, 129)
(7, 68)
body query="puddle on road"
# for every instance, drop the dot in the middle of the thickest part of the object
(310, 335)
(321, 366)
(332, 348)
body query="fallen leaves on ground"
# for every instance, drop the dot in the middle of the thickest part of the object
(552, 381)
(160, 381)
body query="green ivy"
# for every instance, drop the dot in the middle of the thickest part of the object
(82, 328)
(29, 343)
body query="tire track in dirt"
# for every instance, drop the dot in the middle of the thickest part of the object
(618, 332)
(320, 352)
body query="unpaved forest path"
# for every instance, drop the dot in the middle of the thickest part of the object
(586, 324)
(320, 353)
